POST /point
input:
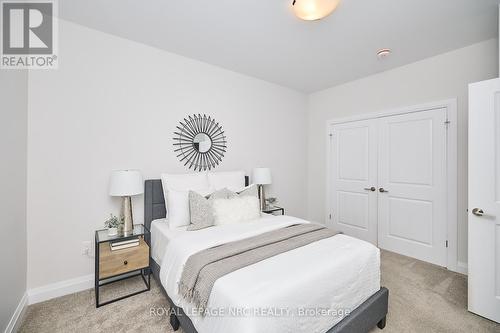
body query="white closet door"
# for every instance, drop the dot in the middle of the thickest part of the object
(353, 173)
(484, 199)
(412, 185)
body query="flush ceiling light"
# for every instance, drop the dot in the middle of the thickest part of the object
(311, 10)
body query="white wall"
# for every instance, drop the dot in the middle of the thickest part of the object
(442, 77)
(13, 150)
(114, 104)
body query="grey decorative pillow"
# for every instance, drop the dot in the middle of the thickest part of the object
(249, 191)
(200, 207)
(223, 193)
(200, 210)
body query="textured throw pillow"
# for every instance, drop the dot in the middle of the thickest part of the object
(236, 210)
(178, 207)
(200, 208)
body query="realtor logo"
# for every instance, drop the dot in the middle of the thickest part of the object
(28, 34)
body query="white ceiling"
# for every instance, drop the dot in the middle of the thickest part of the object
(263, 38)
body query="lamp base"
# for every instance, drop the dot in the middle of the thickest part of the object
(262, 197)
(126, 215)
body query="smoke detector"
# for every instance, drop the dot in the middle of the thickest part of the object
(383, 53)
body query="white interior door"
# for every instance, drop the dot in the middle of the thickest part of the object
(354, 179)
(484, 199)
(412, 185)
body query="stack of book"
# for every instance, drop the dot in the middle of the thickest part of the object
(120, 245)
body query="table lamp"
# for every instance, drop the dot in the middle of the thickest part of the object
(126, 183)
(261, 177)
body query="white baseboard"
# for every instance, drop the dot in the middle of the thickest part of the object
(18, 315)
(462, 267)
(61, 288)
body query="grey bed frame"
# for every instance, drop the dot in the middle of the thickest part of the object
(370, 313)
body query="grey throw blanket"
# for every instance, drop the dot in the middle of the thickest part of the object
(202, 269)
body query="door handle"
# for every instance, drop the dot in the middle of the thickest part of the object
(478, 212)
(373, 189)
(381, 190)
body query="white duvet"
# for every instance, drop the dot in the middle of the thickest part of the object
(308, 289)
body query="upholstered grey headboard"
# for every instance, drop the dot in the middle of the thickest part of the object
(154, 201)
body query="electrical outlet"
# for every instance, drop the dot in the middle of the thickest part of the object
(86, 248)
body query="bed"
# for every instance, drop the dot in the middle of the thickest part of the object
(290, 280)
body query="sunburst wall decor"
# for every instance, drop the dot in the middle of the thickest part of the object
(200, 142)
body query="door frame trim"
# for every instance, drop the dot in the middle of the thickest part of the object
(451, 166)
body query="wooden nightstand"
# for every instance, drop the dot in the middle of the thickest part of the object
(117, 265)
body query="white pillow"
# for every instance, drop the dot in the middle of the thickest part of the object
(236, 210)
(183, 182)
(178, 206)
(233, 180)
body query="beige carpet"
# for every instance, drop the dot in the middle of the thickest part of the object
(422, 298)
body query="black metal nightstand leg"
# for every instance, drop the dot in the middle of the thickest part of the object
(96, 273)
(149, 280)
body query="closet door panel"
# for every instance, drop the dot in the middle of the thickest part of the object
(353, 172)
(412, 185)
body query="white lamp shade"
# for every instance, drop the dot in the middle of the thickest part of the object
(311, 10)
(261, 176)
(126, 183)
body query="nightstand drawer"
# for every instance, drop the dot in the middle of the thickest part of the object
(122, 261)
